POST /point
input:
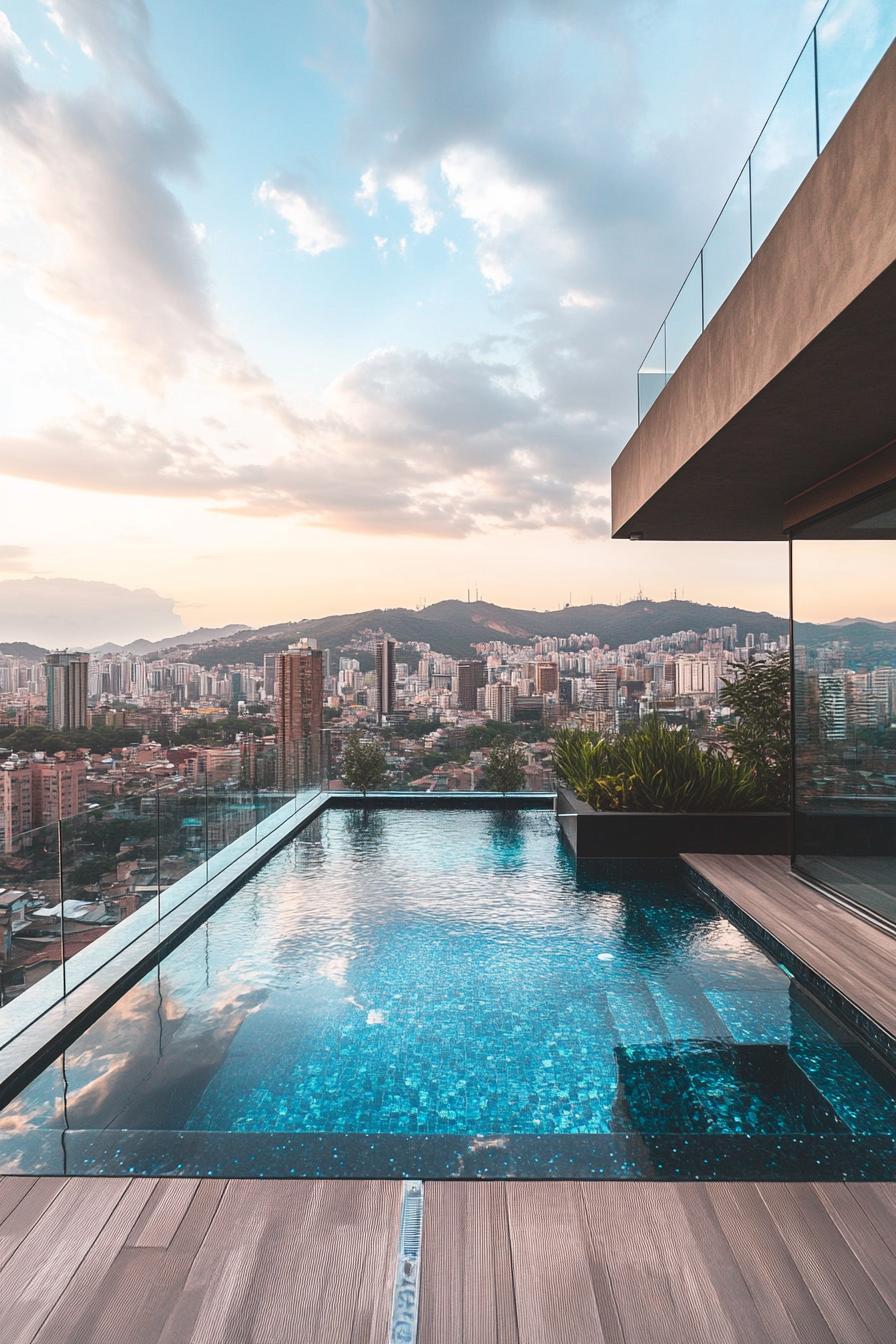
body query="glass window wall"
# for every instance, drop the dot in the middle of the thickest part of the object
(844, 702)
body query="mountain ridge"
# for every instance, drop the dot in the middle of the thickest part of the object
(453, 626)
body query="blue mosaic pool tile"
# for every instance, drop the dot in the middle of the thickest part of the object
(754, 1017)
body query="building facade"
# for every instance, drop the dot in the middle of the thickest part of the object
(777, 421)
(298, 716)
(67, 677)
(470, 679)
(385, 677)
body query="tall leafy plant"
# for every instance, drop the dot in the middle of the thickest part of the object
(759, 734)
(655, 768)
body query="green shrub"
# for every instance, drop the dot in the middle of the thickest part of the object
(655, 768)
(505, 770)
(363, 764)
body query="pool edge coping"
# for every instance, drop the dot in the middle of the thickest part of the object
(832, 998)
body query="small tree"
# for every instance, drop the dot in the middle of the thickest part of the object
(363, 764)
(759, 737)
(505, 770)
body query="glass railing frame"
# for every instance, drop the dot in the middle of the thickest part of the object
(810, 42)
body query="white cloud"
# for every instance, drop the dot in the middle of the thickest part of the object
(409, 443)
(312, 229)
(580, 298)
(380, 242)
(487, 192)
(498, 204)
(108, 243)
(13, 558)
(411, 191)
(10, 39)
(56, 612)
(367, 194)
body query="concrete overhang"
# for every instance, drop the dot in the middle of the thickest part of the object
(794, 379)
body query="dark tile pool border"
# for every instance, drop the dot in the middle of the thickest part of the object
(876, 1036)
(444, 802)
(531, 1157)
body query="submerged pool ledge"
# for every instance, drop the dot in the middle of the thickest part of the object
(35, 1026)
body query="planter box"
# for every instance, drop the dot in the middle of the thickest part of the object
(599, 835)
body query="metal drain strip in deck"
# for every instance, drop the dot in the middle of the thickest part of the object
(406, 1295)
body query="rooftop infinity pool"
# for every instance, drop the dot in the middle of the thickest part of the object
(442, 994)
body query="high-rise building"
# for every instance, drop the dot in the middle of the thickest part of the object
(270, 674)
(15, 805)
(298, 715)
(385, 677)
(832, 706)
(58, 790)
(547, 678)
(67, 689)
(499, 698)
(470, 676)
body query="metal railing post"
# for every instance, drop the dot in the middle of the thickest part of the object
(817, 110)
(60, 872)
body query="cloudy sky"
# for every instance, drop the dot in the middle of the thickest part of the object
(317, 306)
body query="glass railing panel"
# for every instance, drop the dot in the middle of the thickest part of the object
(652, 374)
(786, 149)
(726, 252)
(182, 829)
(685, 321)
(31, 935)
(231, 827)
(108, 874)
(851, 39)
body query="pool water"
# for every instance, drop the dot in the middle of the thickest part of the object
(444, 993)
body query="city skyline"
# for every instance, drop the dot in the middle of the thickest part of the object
(424, 361)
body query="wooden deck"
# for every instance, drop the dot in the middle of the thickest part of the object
(622, 1262)
(117, 1261)
(856, 957)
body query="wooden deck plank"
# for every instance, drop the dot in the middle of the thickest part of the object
(144, 1284)
(707, 1263)
(13, 1190)
(837, 1280)
(661, 1284)
(847, 1209)
(782, 1298)
(27, 1213)
(555, 1298)
(300, 1261)
(466, 1288)
(73, 1314)
(36, 1276)
(856, 957)
(170, 1203)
